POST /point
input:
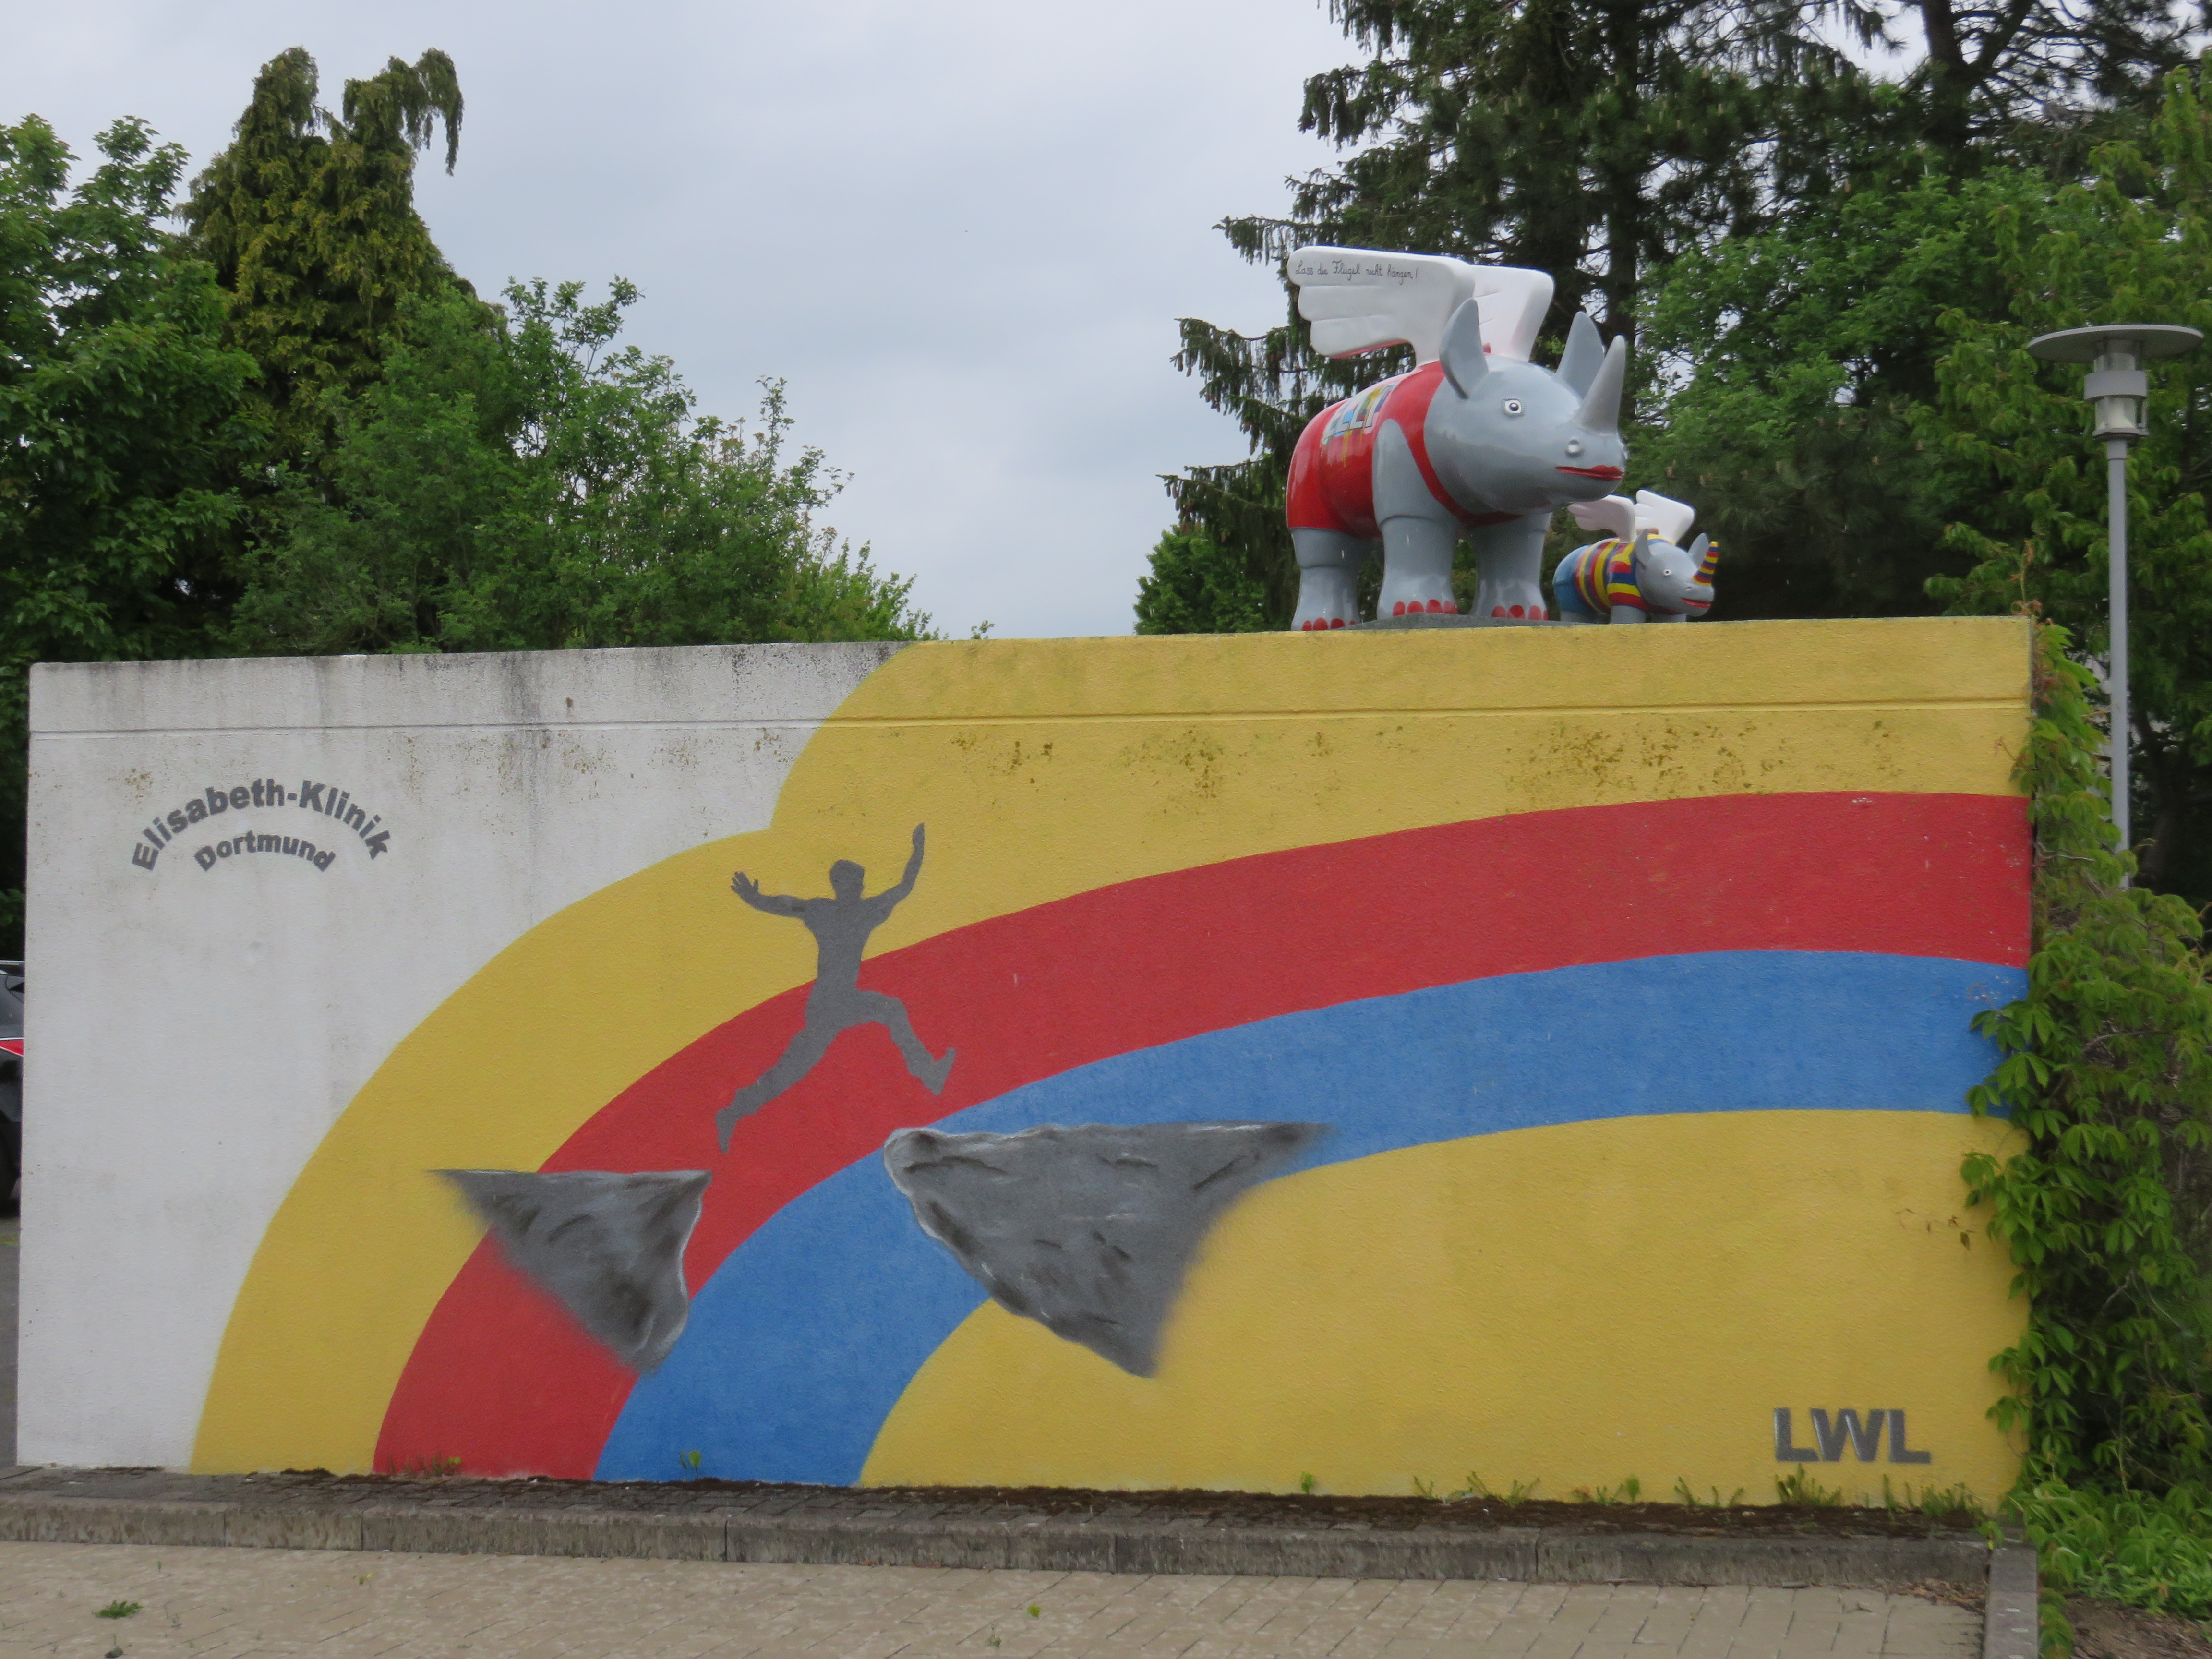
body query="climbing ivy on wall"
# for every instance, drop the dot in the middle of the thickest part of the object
(2106, 1073)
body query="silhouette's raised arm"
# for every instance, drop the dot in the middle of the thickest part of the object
(891, 896)
(776, 904)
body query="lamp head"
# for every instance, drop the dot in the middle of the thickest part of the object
(2115, 353)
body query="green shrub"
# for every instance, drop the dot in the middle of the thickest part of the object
(2107, 1073)
(2123, 1547)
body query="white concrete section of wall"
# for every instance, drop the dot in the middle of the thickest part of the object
(507, 785)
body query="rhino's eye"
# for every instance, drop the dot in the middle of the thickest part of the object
(1574, 446)
(1512, 405)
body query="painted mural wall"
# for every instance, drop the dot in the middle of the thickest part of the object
(1536, 1055)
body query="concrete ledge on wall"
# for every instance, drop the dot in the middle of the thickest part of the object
(848, 1527)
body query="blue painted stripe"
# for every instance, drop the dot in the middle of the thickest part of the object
(803, 1340)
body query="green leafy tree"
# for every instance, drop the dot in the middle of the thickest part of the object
(533, 486)
(1799, 362)
(120, 429)
(1192, 589)
(309, 220)
(1796, 359)
(2134, 243)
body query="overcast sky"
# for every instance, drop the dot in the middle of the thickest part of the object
(960, 232)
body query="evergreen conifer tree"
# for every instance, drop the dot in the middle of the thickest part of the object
(309, 220)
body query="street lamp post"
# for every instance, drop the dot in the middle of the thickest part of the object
(2117, 387)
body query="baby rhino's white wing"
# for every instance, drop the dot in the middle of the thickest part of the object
(1615, 515)
(1671, 519)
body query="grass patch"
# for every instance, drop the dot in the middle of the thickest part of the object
(1799, 1487)
(1630, 1491)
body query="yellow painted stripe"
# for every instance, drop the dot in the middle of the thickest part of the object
(1565, 1305)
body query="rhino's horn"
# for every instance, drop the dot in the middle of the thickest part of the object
(1601, 410)
(1578, 364)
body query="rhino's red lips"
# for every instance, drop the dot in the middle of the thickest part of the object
(1609, 473)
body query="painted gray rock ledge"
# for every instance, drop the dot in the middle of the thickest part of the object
(1087, 1230)
(608, 1246)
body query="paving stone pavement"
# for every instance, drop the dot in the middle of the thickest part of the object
(230, 1603)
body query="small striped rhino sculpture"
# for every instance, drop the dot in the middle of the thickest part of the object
(1639, 573)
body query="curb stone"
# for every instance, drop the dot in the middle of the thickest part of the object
(2009, 1621)
(836, 1528)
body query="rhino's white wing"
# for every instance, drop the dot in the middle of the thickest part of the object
(1513, 303)
(1613, 515)
(1362, 299)
(1671, 519)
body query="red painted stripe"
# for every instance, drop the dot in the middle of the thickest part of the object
(12, 1045)
(502, 1379)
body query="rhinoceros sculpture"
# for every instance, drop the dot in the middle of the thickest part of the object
(1475, 440)
(1640, 572)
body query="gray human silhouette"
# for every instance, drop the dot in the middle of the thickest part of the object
(840, 926)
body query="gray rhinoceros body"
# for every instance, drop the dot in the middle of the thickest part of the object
(1463, 446)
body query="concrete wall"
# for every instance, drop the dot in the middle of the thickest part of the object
(202, 1030)
(1531, 1053)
